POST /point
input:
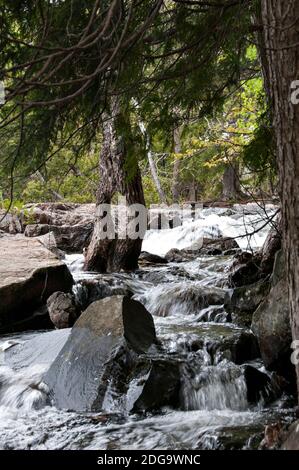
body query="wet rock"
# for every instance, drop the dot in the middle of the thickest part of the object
(205, 246)
(146, 258)
(91, 290)
(259, 385)
(29, 274)
(210, 246)
(232, 438)
(271, 324)
(63, 310)
(179, 256)
(243, 301)
(100, 353)
(232, 252)
(249, 272)
(161, 386)
(239, 347)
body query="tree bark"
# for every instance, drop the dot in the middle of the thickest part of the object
(115, 254)
(231, 183)
(281, 38)
(177, 148)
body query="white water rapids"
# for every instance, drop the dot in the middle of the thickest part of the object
(213, 390)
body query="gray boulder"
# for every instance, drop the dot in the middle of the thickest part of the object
(29, 274)
(271, 322)
(100, 354)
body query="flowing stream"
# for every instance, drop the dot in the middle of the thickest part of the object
(214, 412)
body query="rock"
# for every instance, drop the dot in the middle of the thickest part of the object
(10, 223)
(232, 438)
(205, 246)
(259, 386)
(161, 386)
(91, 290)
(271, 325)
(249, 268)
(100, 353)
(146, 258)
(243, 301)
(62, 309)
(247, 273)
(179, 256)
(291, 439)
(59, 213)
(274, 434)
(239, 347)
(69, 238)
(221, 245)
(29, 274)
(48, 240)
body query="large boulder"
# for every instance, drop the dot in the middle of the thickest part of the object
(271, 323)
(241, 302)
(61, 213)
(100, 354)
(29, 274)
(69, 238)
(62, 309)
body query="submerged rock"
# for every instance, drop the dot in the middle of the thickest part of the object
(29, 274)
(100, 353)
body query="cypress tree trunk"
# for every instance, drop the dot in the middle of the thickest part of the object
(106, 254)
(281, 39)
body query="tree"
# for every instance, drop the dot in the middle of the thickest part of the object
(119, 173)
(281, 58)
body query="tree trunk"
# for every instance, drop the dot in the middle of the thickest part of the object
(151, 161)
(281, 37)
(112, 254)
(177, 148)
(231, 183)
